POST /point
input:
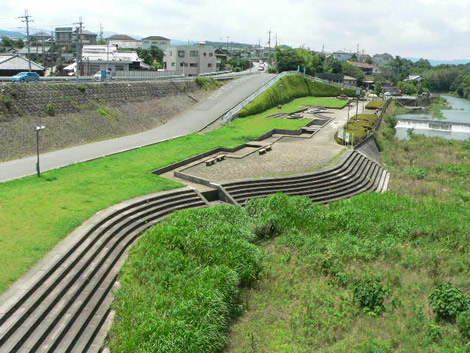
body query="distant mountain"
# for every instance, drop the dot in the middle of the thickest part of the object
(11, 34)
(443, 62)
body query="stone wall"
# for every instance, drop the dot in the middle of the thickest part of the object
(34, 98)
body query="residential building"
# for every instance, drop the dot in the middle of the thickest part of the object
(342, 55)
(333, 78)
(42, 37)
(11, 64)
(102, 57)
(191, 60)
(350, 81)
(363, 58)
(155, 41)
(124, 41)
(64, 37)
(67, 37)
(382, 59)
(369, 69)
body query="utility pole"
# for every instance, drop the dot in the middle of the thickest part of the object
(26, 18)
(101, 32)
(227, 43)
(276, 39)
(269, 40)
(79, 48)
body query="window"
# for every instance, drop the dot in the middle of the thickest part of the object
(181, 53)
(183, 64)
(193, 65)
(193, 53)
(173, 64)
(209, 65)
(211, 54)
(205, 54)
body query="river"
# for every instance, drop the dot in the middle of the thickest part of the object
(454, 126)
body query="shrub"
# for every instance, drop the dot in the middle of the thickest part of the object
(375, 104)
(370, 295)
(463, 323)
(389, 133)
(6, 101)
(433, 333)
(13, 92)
(418, 173)
(82, 88)
(207, 83)
(447, 301)
(50, 109)
(390, 120)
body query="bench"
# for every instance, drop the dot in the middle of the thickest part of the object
(210, 161)
(265, 149)
(220, 157)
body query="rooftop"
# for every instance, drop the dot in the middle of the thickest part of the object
(122, 37)
(17, 62)
(155, 38)
(363, 65)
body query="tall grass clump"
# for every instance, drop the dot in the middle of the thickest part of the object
(208, 83)
(290, 87)
(181, 284)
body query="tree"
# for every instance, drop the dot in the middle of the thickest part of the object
(7, 42)
(287, 59)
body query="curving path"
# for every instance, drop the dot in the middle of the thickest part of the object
(189, 122)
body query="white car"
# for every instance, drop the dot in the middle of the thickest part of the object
(98, 76)
(372, 95)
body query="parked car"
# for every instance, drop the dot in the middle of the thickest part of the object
(99, 76)
(25, 77)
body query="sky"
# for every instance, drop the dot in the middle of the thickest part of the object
(432, 29)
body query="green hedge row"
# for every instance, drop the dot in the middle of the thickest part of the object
(290, 87)
(375, 104)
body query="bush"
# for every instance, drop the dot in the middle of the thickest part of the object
(82, 88)
(7, 102)
(375, 104)
(418, 173)
(447, 301)
(181, 283)
(391, 120)
(207, 83)
(370, 295)
(463, 323)
(50, 109)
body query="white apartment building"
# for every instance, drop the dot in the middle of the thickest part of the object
(155, 41)
(191, 60)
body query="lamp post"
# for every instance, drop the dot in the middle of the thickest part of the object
(38, 129)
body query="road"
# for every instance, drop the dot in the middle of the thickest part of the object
(189, 122)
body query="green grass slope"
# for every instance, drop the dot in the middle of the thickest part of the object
(36, 213)
(289, 87)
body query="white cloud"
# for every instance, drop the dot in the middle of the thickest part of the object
(424, 28)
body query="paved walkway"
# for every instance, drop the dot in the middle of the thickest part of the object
(189, 122)
(289, 155)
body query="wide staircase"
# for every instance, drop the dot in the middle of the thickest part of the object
(65, 307)
(355, 174)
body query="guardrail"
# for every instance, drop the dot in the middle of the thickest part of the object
(164, 76)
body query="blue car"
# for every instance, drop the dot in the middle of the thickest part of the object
(25, 77)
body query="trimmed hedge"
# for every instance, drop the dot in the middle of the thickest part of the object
(375, 104)
(290, 87)
(358, 126)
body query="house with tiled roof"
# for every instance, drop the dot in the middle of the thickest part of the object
(369, 69)
(124, 41)
(156, 41)
(11, 64)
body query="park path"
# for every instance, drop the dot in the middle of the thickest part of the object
(193, 120)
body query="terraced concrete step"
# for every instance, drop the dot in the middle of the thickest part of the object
(65, 318)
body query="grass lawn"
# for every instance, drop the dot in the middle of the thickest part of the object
(300, 103)
(375, 104)
(37, 213)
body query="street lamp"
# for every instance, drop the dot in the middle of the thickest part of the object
(38, 129)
